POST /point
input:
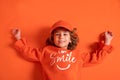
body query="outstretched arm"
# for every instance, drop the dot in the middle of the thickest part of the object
(98, 55)
(21, 44)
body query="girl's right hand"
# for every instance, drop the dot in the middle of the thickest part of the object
(108, 37)
(17, 33)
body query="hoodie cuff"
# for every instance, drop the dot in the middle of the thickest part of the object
(20, 43)
(108, 48)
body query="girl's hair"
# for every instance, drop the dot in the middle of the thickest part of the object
(74, 39)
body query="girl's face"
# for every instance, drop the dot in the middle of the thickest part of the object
(61, 38)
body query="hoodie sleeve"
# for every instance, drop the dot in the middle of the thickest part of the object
(97, 56)
(29, 53)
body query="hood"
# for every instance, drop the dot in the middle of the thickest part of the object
(63, 24)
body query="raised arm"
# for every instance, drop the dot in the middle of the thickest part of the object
(21, 44)
(98, 55)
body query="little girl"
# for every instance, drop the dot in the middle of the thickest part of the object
(59, 58)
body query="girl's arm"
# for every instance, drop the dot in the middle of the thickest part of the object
(98, 55)
(21, 44)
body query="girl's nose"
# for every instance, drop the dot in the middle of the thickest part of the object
(61, 36)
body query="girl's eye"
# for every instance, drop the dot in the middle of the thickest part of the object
(65, 34)
(57, 34)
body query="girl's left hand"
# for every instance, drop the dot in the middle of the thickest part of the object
(108, 37)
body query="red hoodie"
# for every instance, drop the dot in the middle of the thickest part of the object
(58, 63)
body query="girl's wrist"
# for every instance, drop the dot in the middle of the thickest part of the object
(107, 42)
(18, 37)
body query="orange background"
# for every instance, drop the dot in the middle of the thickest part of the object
(34, 17)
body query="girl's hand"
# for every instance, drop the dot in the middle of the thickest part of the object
(17, 33)
(108, 37)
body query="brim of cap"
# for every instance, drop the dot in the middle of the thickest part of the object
(62, 24)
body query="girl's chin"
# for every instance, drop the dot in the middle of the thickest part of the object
(60, 46)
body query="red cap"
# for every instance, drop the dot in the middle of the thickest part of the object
(63, 24)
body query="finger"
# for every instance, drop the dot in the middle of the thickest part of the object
(15, 31)
(106, 32)
(110, 33)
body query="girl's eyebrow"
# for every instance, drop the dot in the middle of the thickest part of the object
(63, 32)
(57, 31)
